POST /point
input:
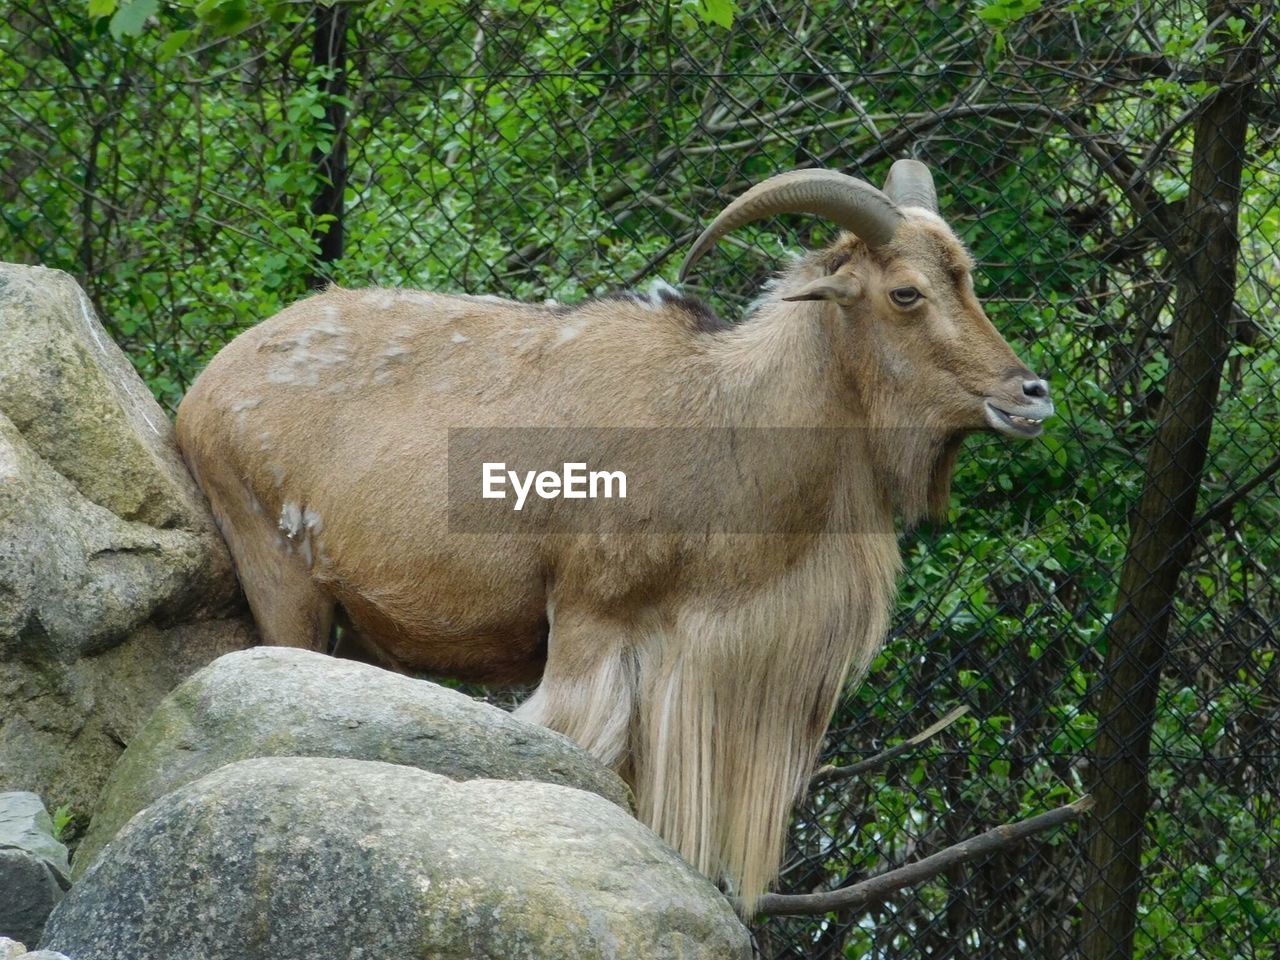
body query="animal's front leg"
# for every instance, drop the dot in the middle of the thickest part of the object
(588, 688)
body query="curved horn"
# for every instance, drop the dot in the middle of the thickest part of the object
(844, 200)
(910, 184)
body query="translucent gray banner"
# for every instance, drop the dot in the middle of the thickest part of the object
(535, 481)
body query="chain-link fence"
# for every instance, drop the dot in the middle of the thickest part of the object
(1106, 605)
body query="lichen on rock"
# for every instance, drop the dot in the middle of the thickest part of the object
(114, 582)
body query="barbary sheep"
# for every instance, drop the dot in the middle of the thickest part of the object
(699, 644)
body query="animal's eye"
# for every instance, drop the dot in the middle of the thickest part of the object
(904, 296)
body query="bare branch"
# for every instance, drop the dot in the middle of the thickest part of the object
(881, 887)
(830, 774)
(1223, 507)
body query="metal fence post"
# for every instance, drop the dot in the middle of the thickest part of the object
(329, 51)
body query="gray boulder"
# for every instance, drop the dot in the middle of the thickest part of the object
(26, 825)
(63, 726)
(11, 950)
(33, 867)
(31, 891)
(296, 858)
(274, 701)
(77, 400)
(114, 582)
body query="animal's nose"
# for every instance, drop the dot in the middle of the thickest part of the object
(1035, 388)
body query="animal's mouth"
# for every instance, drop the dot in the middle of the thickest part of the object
(1023, 422)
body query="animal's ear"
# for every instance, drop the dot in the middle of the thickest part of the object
(837, 287)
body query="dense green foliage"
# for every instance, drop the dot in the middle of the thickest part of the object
(165, 154)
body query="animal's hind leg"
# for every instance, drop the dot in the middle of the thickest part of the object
(290, 608)
(587, 689)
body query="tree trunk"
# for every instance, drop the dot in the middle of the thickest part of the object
(329, 50)
(1160, 534)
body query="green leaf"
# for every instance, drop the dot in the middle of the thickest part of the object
(101, 8)
(171, 44)
(62, 818)
(718, 11)
(131, 19)
(1004, 12)
(226, 17)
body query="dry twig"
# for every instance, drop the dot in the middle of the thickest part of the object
(881, 887)
(830, 774)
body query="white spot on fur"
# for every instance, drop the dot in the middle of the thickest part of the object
(241, 410)
(768, 293)
(290, 520)
(459, 338)
(277, 473)
(661, 291)
(522, 338)
(330, 323)
(392, 363)
(300, 527)
(382, 299)
(420, 297)
(302, 359)
(567, 332)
